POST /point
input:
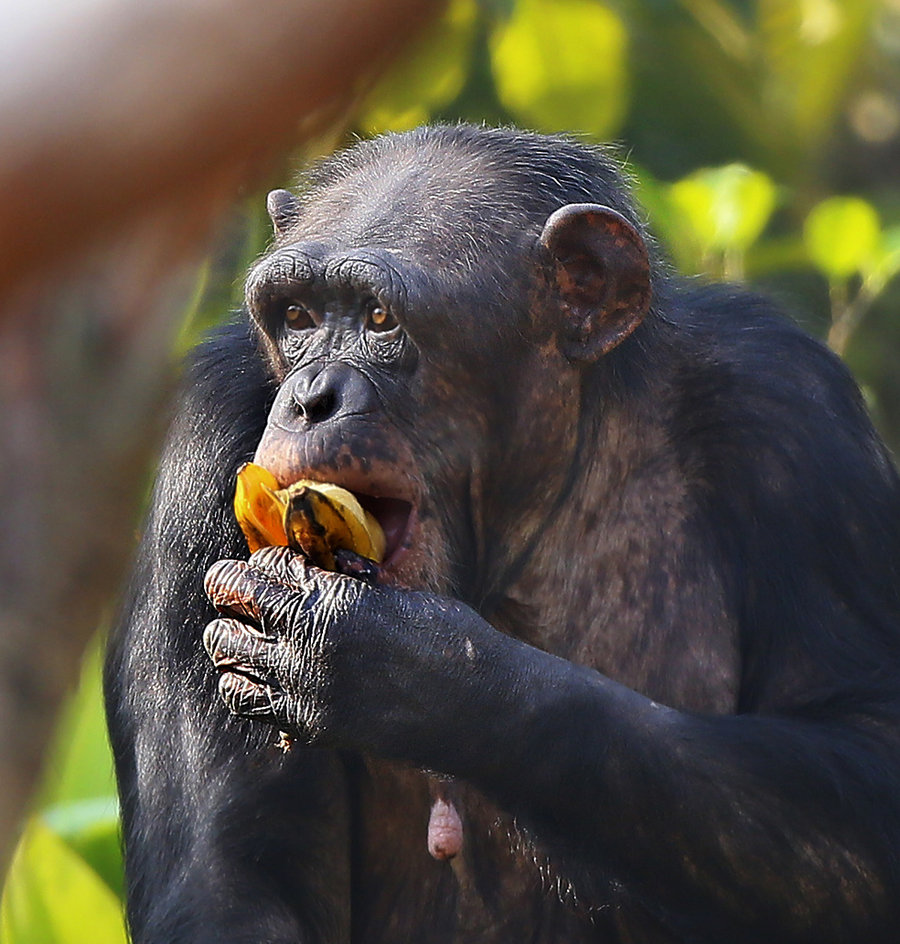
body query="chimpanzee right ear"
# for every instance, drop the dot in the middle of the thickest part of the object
(284, 209)
(599, 266)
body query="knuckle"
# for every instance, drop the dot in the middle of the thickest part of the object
(239, 694)
(222, 580)
(224, 641)
(232, 643)
(212, 637)
(276, 605)
(274, 559)
(228, 691)
(299, 570)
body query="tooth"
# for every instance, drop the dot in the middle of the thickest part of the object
(316, 518)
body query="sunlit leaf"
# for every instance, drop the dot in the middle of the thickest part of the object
(53, 897)
(561, 65)
(654, 198)
(428, 77)
(91, 829)
(79, 766)
(809, 49)
(886, 263)
(665, 220)
(842, 236)
(727, 208)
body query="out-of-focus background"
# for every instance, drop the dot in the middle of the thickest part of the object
(763, 137)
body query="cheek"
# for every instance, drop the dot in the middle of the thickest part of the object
(547, 415)
(532, 452)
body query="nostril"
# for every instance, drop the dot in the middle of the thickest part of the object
(317, 395)
(316, 406)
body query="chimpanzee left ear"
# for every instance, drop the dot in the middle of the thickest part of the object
(601, 270)
(284, 209)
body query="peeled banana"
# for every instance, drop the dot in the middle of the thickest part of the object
(316, 518)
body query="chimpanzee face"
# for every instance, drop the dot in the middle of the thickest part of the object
(418, 328)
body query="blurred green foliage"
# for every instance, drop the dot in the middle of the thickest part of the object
(714, 215)
(763, 136)
(65, 885)
(560, 65)
(427, 79)
(842, 236)
(53, 895)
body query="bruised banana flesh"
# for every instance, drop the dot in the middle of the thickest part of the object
(316, 518)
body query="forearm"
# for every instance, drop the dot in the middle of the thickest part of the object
(746, 822)
(742, 822)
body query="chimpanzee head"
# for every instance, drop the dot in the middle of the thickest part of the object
(432, 307)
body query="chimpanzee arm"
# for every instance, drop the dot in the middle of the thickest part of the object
(201, 864)
(728, 828)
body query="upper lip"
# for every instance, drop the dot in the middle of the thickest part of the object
(372, 483)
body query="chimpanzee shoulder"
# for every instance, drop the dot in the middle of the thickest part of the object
(220, 410)
(772, 433)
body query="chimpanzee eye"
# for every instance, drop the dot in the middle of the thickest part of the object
(297, 317)
(379, 318)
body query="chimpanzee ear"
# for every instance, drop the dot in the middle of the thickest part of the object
(599, 264)
(284, 209)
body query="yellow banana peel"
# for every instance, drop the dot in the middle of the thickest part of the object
(259, 512)
(316, 518)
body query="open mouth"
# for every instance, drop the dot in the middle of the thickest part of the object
(395, 517)
(319, 518)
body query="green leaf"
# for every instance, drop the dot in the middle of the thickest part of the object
(53, 897)
(561, 65)
(887, 259)
(79, 766)
(430, 76)
(726, 208)
(91, 829)
(809, 50)
(666, 221)
(653, 197)
(842, 236)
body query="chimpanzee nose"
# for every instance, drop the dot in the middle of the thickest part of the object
(330, 392)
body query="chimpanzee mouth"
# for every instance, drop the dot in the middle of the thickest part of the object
(395, 517)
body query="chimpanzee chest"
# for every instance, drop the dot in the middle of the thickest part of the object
(498, 887)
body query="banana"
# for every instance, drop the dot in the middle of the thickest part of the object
(320, 518)
(257, 509)
(316, 518)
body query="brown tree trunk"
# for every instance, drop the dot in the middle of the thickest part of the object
(135, 125)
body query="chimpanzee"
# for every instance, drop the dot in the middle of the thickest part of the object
(630, 670)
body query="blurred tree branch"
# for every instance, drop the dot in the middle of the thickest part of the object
(130, 127)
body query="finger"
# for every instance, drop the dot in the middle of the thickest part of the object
(354, 565)
(293, 584)
(232, 644)
(251, 699)
(234, 587)
(285, 565)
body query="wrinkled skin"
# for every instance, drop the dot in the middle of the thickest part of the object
(634, 651)
(318, 654)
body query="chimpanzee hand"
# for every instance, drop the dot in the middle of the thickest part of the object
(343, 663)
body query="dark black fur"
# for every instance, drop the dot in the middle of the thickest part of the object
(777, 823)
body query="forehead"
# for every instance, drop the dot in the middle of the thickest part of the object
(432, 204)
